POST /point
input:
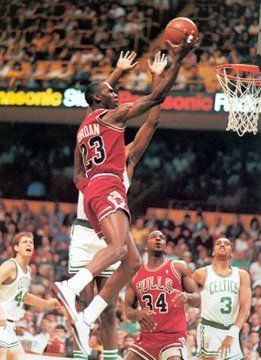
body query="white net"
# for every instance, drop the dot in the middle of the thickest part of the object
(242, 86)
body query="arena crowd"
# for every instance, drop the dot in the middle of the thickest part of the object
(70, 43)
(190, 240)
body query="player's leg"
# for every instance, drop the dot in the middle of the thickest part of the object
(85, 298)
(3, 353)
(16, 353)
(124, 273)
(115, 228)
(129, 265)
(208, 340)
(108, 332)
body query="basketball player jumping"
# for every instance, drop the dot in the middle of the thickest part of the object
(84, 241)
(161, 288)
(15, 280)
(226, 301)
(100, 140)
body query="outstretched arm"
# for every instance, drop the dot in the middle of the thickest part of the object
(136, 148)
(127, 111)
(124, 64)
(34, 300)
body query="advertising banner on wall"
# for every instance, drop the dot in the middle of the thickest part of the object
(74, 98)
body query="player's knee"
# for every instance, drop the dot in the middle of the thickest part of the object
(120, 252)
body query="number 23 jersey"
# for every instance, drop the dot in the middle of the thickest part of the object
(153, 288)
(102, 145)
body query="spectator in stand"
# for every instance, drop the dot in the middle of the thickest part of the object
(195, 81)
(234, 229)
(127, 342)
(166, 223)
(139, 232)
(240, 260)
(254, 228)
(255, 269)
(56, 344)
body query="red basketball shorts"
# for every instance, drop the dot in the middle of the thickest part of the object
(159, 346)
(104, 194)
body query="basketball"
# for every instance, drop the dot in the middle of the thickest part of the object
(175, 29)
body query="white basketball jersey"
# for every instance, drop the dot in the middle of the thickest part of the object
(12, 294)
(80, 209)
(219, 296)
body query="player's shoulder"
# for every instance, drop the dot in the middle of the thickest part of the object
(8, 270)
(9, 264)
(179, 266)
(199, 275)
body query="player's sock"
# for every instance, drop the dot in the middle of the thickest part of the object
(110, 354)
(80, 280)
(79, 355)
(94, 309)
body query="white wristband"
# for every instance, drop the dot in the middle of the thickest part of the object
(233, 331)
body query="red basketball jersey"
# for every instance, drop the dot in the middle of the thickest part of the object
(102, 145)
(153, 288)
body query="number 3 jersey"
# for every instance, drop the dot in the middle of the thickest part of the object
(154, 290)
(102, 145)
(12, 294)
(219, 296)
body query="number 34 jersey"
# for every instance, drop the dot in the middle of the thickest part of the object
(102, 145)
(219, 296)
(154, 290)
(12, 294)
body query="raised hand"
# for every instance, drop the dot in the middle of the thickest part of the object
(125, 62)
(181, 51)
(159, 63)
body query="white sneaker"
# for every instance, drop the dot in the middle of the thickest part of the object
(81, 331)
(66, 297)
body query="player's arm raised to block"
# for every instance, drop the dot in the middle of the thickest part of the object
(191, 295)
(134, 314)
(125, 63)
(136, 148)
(125, 112)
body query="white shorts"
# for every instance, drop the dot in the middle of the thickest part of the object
(210, 338)
(84, 245)
(8, 338)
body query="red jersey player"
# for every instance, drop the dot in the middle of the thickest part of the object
(100, 140)
(158, 287)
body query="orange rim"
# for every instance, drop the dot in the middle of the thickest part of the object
(252, 69)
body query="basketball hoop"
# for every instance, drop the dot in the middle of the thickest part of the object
(242, 86)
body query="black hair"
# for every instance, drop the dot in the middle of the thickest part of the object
(93, 88)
